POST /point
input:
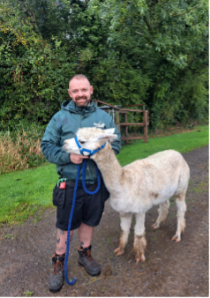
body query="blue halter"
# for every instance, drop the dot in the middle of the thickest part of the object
(72, 282)
(87, 150)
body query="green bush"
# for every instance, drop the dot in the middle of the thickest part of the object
(149, 52)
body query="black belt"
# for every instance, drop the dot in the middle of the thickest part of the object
(72, 182)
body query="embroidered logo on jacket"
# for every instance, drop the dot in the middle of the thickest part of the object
(99, 124)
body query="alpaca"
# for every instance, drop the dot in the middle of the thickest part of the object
(136, 187)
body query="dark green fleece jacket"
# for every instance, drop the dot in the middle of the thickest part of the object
(64, 125)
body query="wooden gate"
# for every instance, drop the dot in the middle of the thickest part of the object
(125, 124)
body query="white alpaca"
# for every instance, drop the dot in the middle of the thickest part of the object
(135, 188)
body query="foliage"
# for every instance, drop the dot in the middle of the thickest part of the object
(166, 43)
(20, 149)
(34, 73)
(140, 51)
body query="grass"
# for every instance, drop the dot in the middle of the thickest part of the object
(24, 193)
(202, 187)
(182, 142)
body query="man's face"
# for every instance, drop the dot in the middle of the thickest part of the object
(80, 91)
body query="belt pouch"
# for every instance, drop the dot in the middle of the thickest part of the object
(59, 197)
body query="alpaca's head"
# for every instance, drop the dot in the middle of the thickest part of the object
(90, 138)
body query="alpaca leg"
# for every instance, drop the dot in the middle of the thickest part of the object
(125, 223)
(162, 214)
(181, 209)
(140, 241)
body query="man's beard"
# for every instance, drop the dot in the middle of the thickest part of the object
(86, 103)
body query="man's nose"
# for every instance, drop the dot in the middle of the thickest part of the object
(80, 93)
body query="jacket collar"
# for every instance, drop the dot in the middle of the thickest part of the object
(70, 106)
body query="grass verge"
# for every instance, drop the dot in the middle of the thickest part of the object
(23, 193)
(182, 142)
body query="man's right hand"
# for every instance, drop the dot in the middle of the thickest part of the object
(77, 159)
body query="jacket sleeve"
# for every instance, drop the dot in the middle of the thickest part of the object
(50, 144)
(116, 145)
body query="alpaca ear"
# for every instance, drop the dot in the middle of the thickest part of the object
(106, 137)
(109, 131)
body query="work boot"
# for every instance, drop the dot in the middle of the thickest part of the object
(57, 273)
(86, 260)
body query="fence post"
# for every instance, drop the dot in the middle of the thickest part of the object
(126, 128)
(145, 126)
(118, 121)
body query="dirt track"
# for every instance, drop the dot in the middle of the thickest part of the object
(171, 269)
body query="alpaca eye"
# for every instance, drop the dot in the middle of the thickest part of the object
(82, 142)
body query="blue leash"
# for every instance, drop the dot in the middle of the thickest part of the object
(83, 179)
(72, 282)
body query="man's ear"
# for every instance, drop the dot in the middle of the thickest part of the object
(69, 92)
(91, 89)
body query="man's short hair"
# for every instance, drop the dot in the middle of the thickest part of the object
(79, 77)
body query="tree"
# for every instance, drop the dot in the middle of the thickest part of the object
(34, 71)
(43, 44)
(166, 43)
(140, 51)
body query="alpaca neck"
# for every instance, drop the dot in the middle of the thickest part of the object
(109, 167)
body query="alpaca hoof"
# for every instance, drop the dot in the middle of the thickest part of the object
(176, 239)
(140, 259)
(155, 226)
(118, 251)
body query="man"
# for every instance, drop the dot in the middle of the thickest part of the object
(80, 112)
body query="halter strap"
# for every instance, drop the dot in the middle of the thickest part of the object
(87, 150)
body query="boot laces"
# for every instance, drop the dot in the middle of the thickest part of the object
(57, 266)
(89, 255)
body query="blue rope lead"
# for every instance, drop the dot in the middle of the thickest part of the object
(72, 282)
(83, 179)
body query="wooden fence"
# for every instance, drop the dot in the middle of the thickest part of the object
(125, 124)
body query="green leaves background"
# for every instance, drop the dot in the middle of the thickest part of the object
(151, 52)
